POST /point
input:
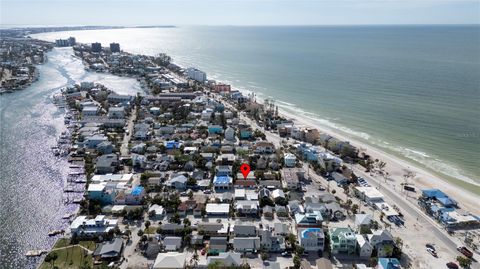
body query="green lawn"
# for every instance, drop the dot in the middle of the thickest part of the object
(88, 244)
(72, 257)
(151, 230)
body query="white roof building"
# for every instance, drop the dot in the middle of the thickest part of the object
(217, 209)
(170, 260)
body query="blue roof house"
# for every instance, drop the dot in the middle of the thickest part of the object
(215, 129)
(172, 145)
(222, 182)
(135, 195)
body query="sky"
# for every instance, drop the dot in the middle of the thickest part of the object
(238, 12)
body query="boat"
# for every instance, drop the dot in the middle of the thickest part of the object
(55, 232)
(67, 216)
(35, 253)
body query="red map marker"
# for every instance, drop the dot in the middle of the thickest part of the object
(245, 168)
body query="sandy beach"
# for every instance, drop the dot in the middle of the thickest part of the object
(467, 199)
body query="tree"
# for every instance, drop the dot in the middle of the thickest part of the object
(51, 257)
(147, 224)
(388, 250)
(399, 243)
(264, 256)
(186, 222)
(299, 250)
(175, 219)
(354, 208)
(140, 233)
(296, 262)
(464, 262)
(292, 239)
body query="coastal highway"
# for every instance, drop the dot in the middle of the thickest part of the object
(411, 209)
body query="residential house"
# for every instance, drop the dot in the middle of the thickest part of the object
(312, 219)
(244, 230)
(215, 129)
(263, 147)
(109, 251)
(290, 178)
(247, 207)
(226, 259)
(116, 112)
(178, 182)
(312, 239)
(170, 260)
(89, 111)
(246, 244)
(363, 221)
(217, 209)
(158, 211)
(217, 245)
(364, 248)
(342, 240)
(105, 147)
(230, 134)
(106, 163)
(379, 239)
(281, 229)
(102, 192)
(272, 243)
(245, 133)
(172, 243)
(152, 249)
(268, 212)
(290, 160)
(222, 182)
(83, 226)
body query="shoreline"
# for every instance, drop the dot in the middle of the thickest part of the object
(466, 196)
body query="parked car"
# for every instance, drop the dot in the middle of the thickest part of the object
(430, 246)
(452, 265)
(465, 251)
(432, 252)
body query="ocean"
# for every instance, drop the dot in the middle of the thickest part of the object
(413, 91)
(31, 177)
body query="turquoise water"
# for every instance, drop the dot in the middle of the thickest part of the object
(411, 90)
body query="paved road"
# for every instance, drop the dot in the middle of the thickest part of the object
(411, 209)
(128, 135)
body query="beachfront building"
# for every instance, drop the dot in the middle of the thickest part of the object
(195, 74)
(83, 226)
(312, 239)
(342, 240)
(221, 88)
(369, 194)
(114, 47)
